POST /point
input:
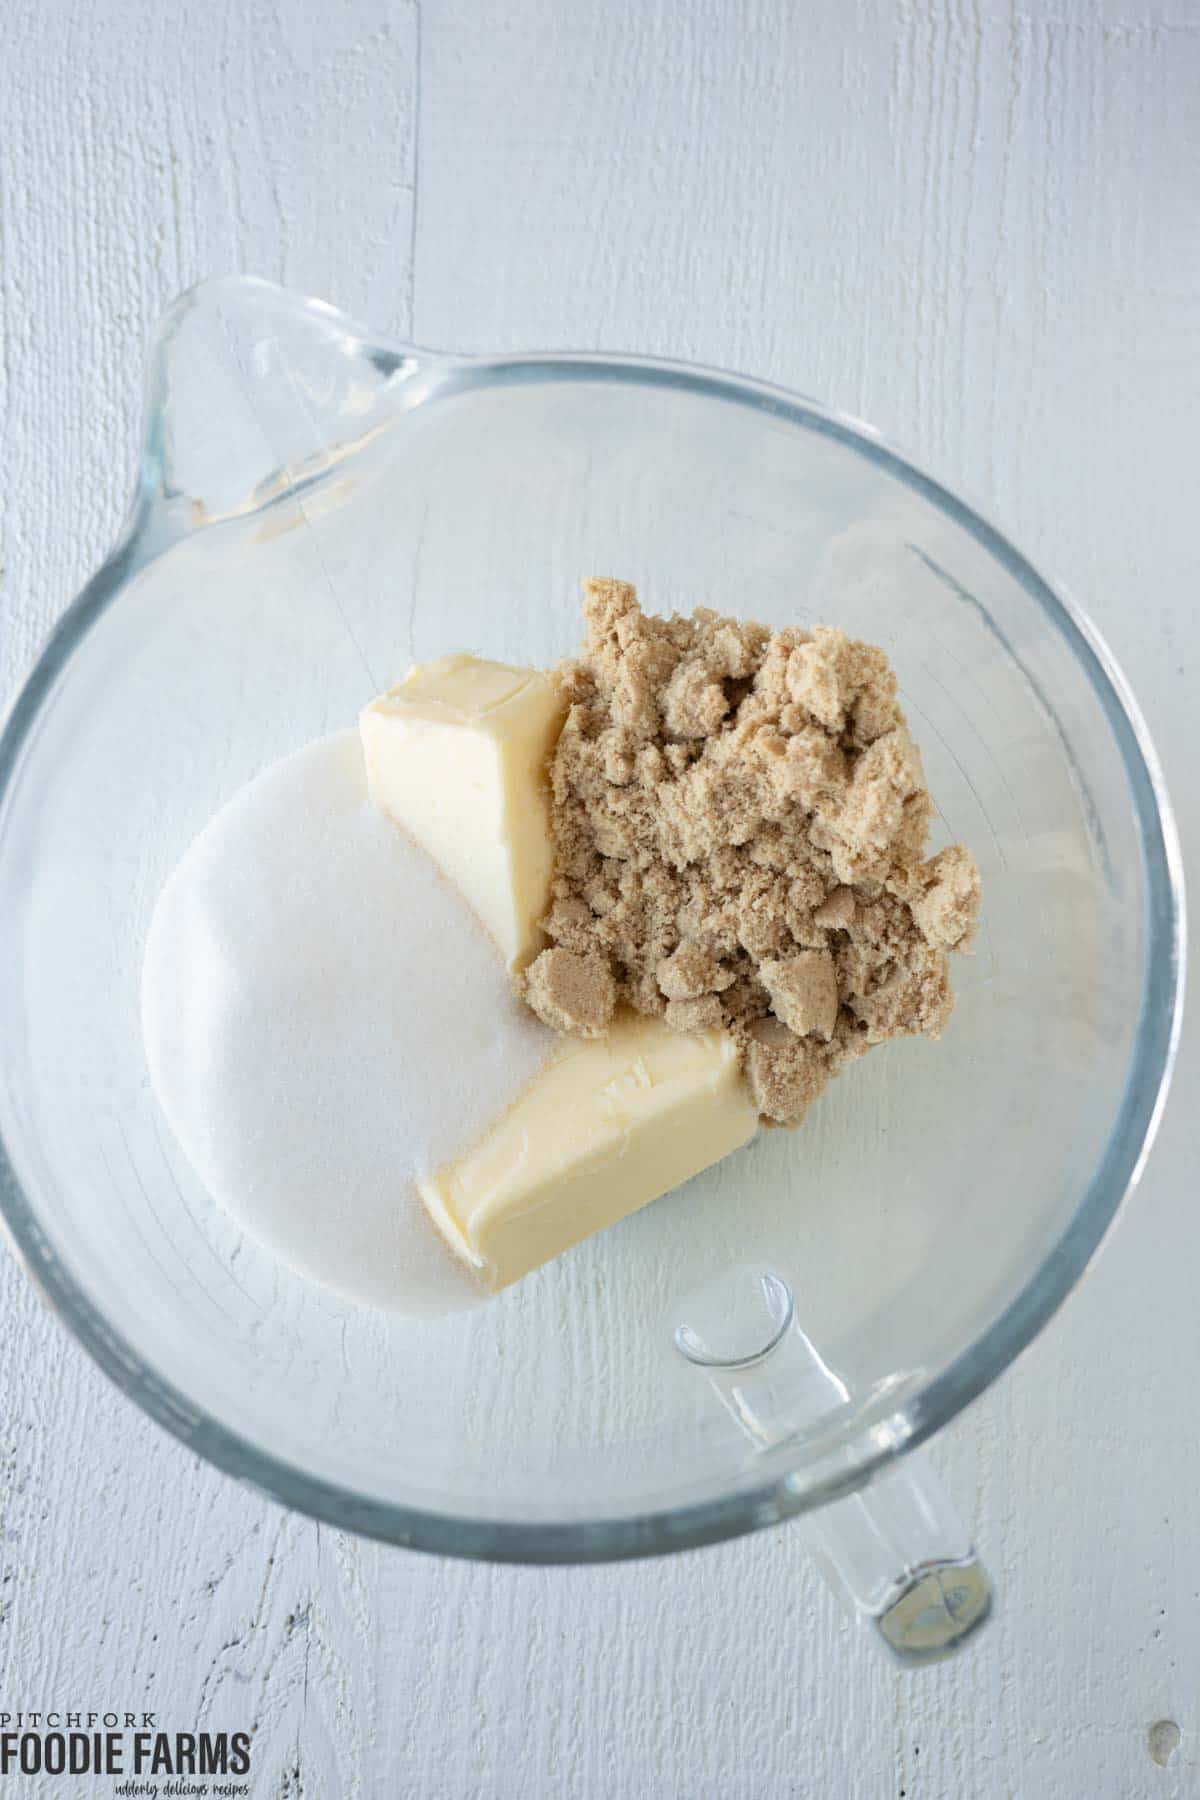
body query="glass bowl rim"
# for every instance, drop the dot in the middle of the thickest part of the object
(932, 1405)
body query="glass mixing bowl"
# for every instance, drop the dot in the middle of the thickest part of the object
(316, 510)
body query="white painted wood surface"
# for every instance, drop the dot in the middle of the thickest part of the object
(975, 224)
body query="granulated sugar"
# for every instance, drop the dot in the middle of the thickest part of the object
(324, 1018)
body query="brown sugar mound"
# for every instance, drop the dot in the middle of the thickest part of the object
(740, 819)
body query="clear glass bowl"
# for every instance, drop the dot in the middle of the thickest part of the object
(315, 511)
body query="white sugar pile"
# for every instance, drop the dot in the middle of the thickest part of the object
(323, 1018)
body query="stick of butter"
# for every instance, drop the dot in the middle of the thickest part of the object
(606, 1126)
(456, 753)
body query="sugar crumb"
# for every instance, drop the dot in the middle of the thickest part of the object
(571, 992)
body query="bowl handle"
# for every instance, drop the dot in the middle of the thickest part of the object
(901, 1560)
(894, 1549)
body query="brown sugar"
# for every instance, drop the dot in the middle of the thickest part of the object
(570, 992)
(804, 992)
(740, 819)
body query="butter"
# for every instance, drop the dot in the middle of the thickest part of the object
(456, 754)
(606, 1126)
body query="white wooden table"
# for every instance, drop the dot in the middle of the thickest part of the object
(975, 224)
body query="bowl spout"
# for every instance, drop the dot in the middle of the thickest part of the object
(252, 391)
